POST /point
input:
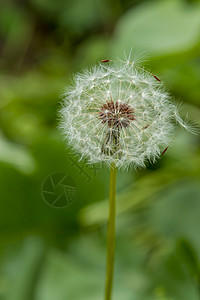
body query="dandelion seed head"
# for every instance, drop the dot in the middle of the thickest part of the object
(119, 113)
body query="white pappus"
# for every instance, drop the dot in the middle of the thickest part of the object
(119, 113)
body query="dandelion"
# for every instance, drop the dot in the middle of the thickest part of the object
(119, 114)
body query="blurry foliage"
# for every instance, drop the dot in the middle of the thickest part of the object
(174, 24)
(49, 253)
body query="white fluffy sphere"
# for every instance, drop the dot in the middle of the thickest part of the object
(118, 113)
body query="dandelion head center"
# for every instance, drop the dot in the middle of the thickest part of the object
(116, 114)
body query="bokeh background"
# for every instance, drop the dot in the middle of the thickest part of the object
(48, 253)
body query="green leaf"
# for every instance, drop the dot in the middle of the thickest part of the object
(23, 269)
(158, 28)
(142, 191)
(176, 212)
(17, 156)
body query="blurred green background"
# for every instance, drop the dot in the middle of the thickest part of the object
(48, 253)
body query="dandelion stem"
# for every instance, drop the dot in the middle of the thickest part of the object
(111, 233)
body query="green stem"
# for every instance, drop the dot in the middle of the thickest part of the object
(111, 233)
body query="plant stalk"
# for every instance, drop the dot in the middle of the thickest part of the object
(111, 233)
